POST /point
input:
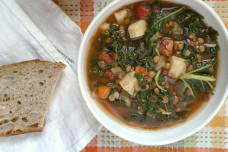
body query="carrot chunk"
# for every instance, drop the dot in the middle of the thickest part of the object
(103, 92)
(141, 70)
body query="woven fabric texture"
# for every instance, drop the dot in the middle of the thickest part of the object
(212, 138)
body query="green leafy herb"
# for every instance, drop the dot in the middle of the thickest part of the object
(96, 70)
(106, 33)
(195, 79)
(156, 80)
(157, 20)
(94, 86)
(204, 67)
(164, 112)
(212, 50)
(209, 32)
(118, 102)
(189, 87)
(195, 25)
(192, 21)
(107, 67)
(142, 80)
(192, 57)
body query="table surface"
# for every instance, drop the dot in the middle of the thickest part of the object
(212, 138)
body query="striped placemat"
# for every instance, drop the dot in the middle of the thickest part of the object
(212, 138)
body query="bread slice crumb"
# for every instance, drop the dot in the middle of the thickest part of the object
(26, 89)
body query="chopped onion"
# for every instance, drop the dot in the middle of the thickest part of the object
(180, 87)
(176, 29)
(165, 79)
(160, 64)
(172, 80)
(210, 45)
(116, 70)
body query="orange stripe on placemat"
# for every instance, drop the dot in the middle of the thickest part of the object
(203, 149)
(218, 150)
(154, 149)
(86, 13)
(171, 149)
(84, 26)
(189, 149)
(126, 149)
(108, 149)
(90, 149)
(140, 149)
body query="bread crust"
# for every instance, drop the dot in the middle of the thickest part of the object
(33, 61)
(17, 132)
(27, 130)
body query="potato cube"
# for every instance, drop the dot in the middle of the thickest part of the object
(137, 29)
(129, 82)
(105, 26)
(120, 16)
(177, 66)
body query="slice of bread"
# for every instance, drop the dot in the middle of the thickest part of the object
(26, 89)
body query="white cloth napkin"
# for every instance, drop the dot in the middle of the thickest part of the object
(38, 29)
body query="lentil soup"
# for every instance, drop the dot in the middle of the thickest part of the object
(154, 64)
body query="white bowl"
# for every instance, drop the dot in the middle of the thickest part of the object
(170, 134)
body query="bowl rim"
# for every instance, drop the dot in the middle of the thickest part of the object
(117, 131)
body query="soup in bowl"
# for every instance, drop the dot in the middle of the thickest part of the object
(151, 67)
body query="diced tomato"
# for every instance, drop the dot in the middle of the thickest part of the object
(188, 92)
(164, 71)
(141, 70)
(107, 58)
(112, 55)
(143, 55)
(142, 11)
(109, 74)
(95, 78)
(166, 45)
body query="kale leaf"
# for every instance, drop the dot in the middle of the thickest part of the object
(204, 67)
(192, 57)
(209, 32)
(118, 102)
(158, 19)
(200, 78)
(142, 80)
(212, 50)
(192, 21)
(96, 70)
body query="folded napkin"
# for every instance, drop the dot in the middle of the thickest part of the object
(38, 29)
